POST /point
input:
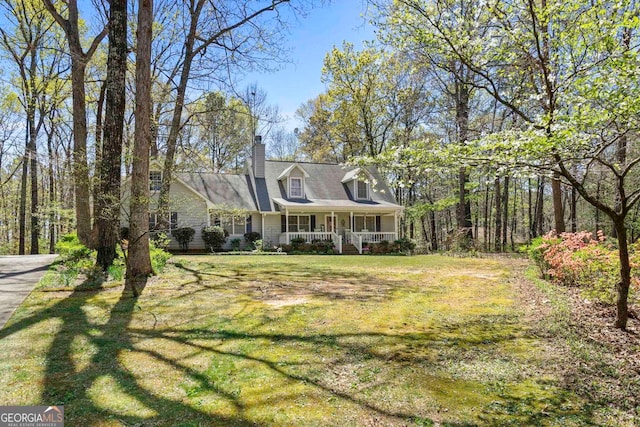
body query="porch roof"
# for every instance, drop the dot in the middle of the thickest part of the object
(339, 205)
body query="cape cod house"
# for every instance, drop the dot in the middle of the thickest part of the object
(281, 201)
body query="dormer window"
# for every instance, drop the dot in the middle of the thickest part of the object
(295, 188)
(362, 190)
(155, 180)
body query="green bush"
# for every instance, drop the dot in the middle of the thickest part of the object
(161, 240)
(235, 244)
(252, 237)
(159, 258)
(259, 245)
(297, 243)
(71, 249)
(184, 235)
(405, 244)
(214, 237)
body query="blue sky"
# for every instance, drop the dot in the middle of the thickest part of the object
(310, 39)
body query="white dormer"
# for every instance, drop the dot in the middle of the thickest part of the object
(293, 180)
(359, 180)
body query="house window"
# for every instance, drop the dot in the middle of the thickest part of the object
(231, 225)
(295, 187)
(173, 223)
(239, 225)
(154, 221)
(363, 190)
(361, 223)
(155, 180)
(299, 224)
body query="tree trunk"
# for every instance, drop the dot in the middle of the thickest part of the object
(176, 125)
(23, 205)
(625, 274)
(485, 221)
(574, 210)
(35, 223)
(71, 27)
(498, 223)
(597, 214)
(434, 231)
(80, 166)
(138, 261)
(108, 215)
(52, 189)
(505, 212)
(97, 188)
(558, 207)
(539, 214)
(532, 223)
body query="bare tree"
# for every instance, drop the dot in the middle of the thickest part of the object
(229, 26)
(79, 60)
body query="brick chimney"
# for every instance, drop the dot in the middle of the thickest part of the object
(258, 157)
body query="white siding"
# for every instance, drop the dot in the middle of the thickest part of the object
(192, 211)
(271, 234)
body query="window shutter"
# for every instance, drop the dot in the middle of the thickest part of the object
(313, 222)
(378, 223)
(283, 224)
(249, 227)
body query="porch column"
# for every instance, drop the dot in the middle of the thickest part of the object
(233, 224)
(395, 223)
(286, 213)
(351, 221)
(333, 222)
(262, 228)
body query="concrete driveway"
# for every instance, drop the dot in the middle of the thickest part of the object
(18, 276)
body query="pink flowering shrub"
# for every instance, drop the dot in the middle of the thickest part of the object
(583, 260)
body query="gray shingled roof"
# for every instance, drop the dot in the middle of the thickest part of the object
(323, 184)
(228, 190)
(323, 188)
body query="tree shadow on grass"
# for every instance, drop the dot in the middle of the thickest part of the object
(71, 382)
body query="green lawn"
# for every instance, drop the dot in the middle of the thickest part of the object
(292, 341)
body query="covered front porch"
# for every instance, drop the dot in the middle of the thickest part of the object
(357, 228)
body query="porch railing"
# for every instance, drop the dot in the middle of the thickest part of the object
(337, 242)
(355, 240)
(309, 237)
(377, 237)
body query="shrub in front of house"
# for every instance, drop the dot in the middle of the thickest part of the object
(214, 237)
(184, 235)
(297, 243)
(251, 237)
(235, 244)
(318, 247)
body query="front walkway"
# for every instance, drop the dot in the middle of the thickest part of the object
(18, 276)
